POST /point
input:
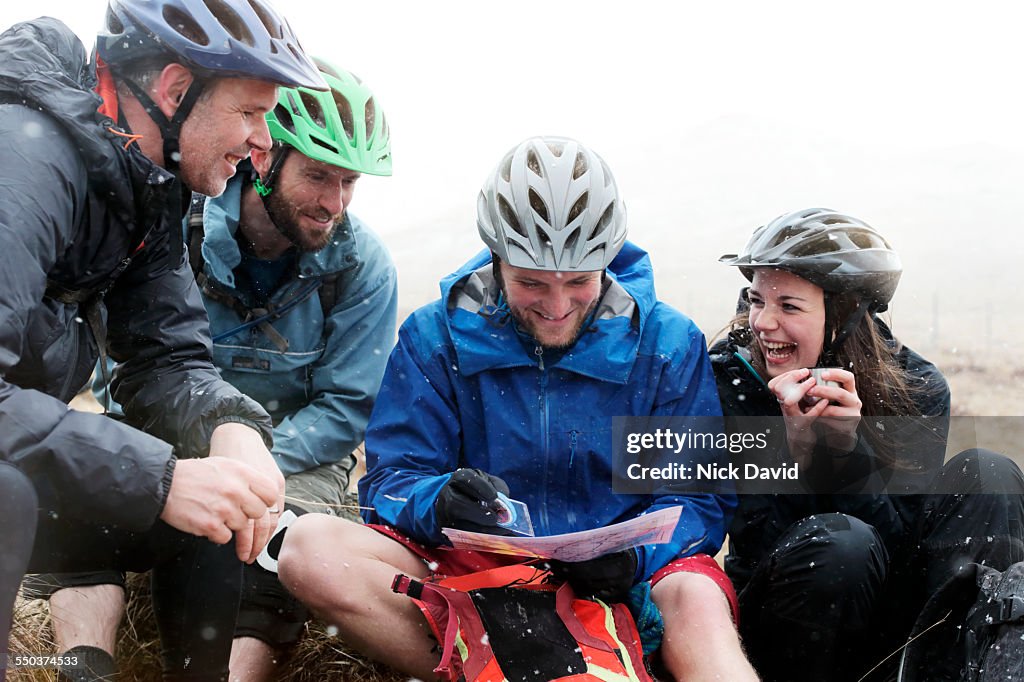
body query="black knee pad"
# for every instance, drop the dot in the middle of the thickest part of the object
(267, 611)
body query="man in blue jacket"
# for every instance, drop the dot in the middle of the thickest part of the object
(508, 385)
(302, 299)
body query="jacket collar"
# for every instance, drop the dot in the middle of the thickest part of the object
(485, 337)
(222, 254)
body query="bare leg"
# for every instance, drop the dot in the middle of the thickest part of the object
(701, 643)
(88, 615)
(252, 660)
(343, 572)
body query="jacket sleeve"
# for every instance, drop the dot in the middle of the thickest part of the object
(687, 389)
(413, 442)
(159, 334)
(891, 496)
(360, 333)
(42, 198)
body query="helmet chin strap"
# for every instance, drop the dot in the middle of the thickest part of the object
(843, 332)
(170, 129)
(264, 186)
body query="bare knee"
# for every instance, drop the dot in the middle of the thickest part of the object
(313, 549)
(332, 564)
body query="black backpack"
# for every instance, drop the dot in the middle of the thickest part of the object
(971, 630)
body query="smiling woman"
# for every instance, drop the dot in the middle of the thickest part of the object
(831, 581)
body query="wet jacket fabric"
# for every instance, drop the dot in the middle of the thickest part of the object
(320, 389)
(762, 518)
(464, 389)
(80, 215)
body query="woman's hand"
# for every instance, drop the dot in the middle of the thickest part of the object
(802, 401)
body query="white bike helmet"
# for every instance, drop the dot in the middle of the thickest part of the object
(552, 204)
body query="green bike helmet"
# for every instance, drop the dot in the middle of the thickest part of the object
(342, 127)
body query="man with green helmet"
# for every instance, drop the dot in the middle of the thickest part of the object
(302, 299)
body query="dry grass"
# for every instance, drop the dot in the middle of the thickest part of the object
(319, 657)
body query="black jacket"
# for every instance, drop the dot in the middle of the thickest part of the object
(87, 229)
(858, 490)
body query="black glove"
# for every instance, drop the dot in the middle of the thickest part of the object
(469, 501)
(609, 577)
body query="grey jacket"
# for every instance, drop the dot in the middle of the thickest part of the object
(90, 229)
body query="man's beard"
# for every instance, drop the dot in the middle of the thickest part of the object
(560, 343)
(286, 218)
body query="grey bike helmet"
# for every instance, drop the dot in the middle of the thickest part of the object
(213, 38)
(839, 253)
(217, 38)
(552, 204)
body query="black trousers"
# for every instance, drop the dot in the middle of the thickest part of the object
(196, 583)
(830, 601)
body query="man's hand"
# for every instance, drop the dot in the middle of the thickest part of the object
(609, 577)
(243, 444)
(469, 501)
(214, 497)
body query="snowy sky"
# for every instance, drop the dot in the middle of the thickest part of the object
(715, 117)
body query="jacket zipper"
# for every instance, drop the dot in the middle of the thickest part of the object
(545, 445)
(570, 515)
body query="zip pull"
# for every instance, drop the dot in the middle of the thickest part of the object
(539, 352)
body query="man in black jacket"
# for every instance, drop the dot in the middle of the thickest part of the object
(96, 159)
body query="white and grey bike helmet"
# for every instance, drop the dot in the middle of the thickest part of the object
(552, 204)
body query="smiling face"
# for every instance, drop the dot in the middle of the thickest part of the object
(309, 198)
(226, 124)
(551, 306)
(787, 316)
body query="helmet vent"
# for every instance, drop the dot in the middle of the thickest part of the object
(865, 240)
(578, 207)
(284, 118)
(370, 114)
(815, 247)
(533, 163)
(231, 21)
(320, 143)
(602, 224)
(787, 234)
(345, 112)
(570, 243)
(506, 169)
(273, 28)
(114, 24)
(313, 109)
(580, 167)
(537, 204)
(509, 216)
(185, 25)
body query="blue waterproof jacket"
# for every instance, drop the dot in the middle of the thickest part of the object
(320, 390)
(464, 389)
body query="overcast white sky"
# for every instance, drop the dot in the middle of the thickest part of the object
(715, 117)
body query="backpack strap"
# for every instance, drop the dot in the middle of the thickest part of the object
(195, 231)
(327, 285)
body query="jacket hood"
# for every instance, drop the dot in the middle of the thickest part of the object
(45, 65)
(485, 338)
